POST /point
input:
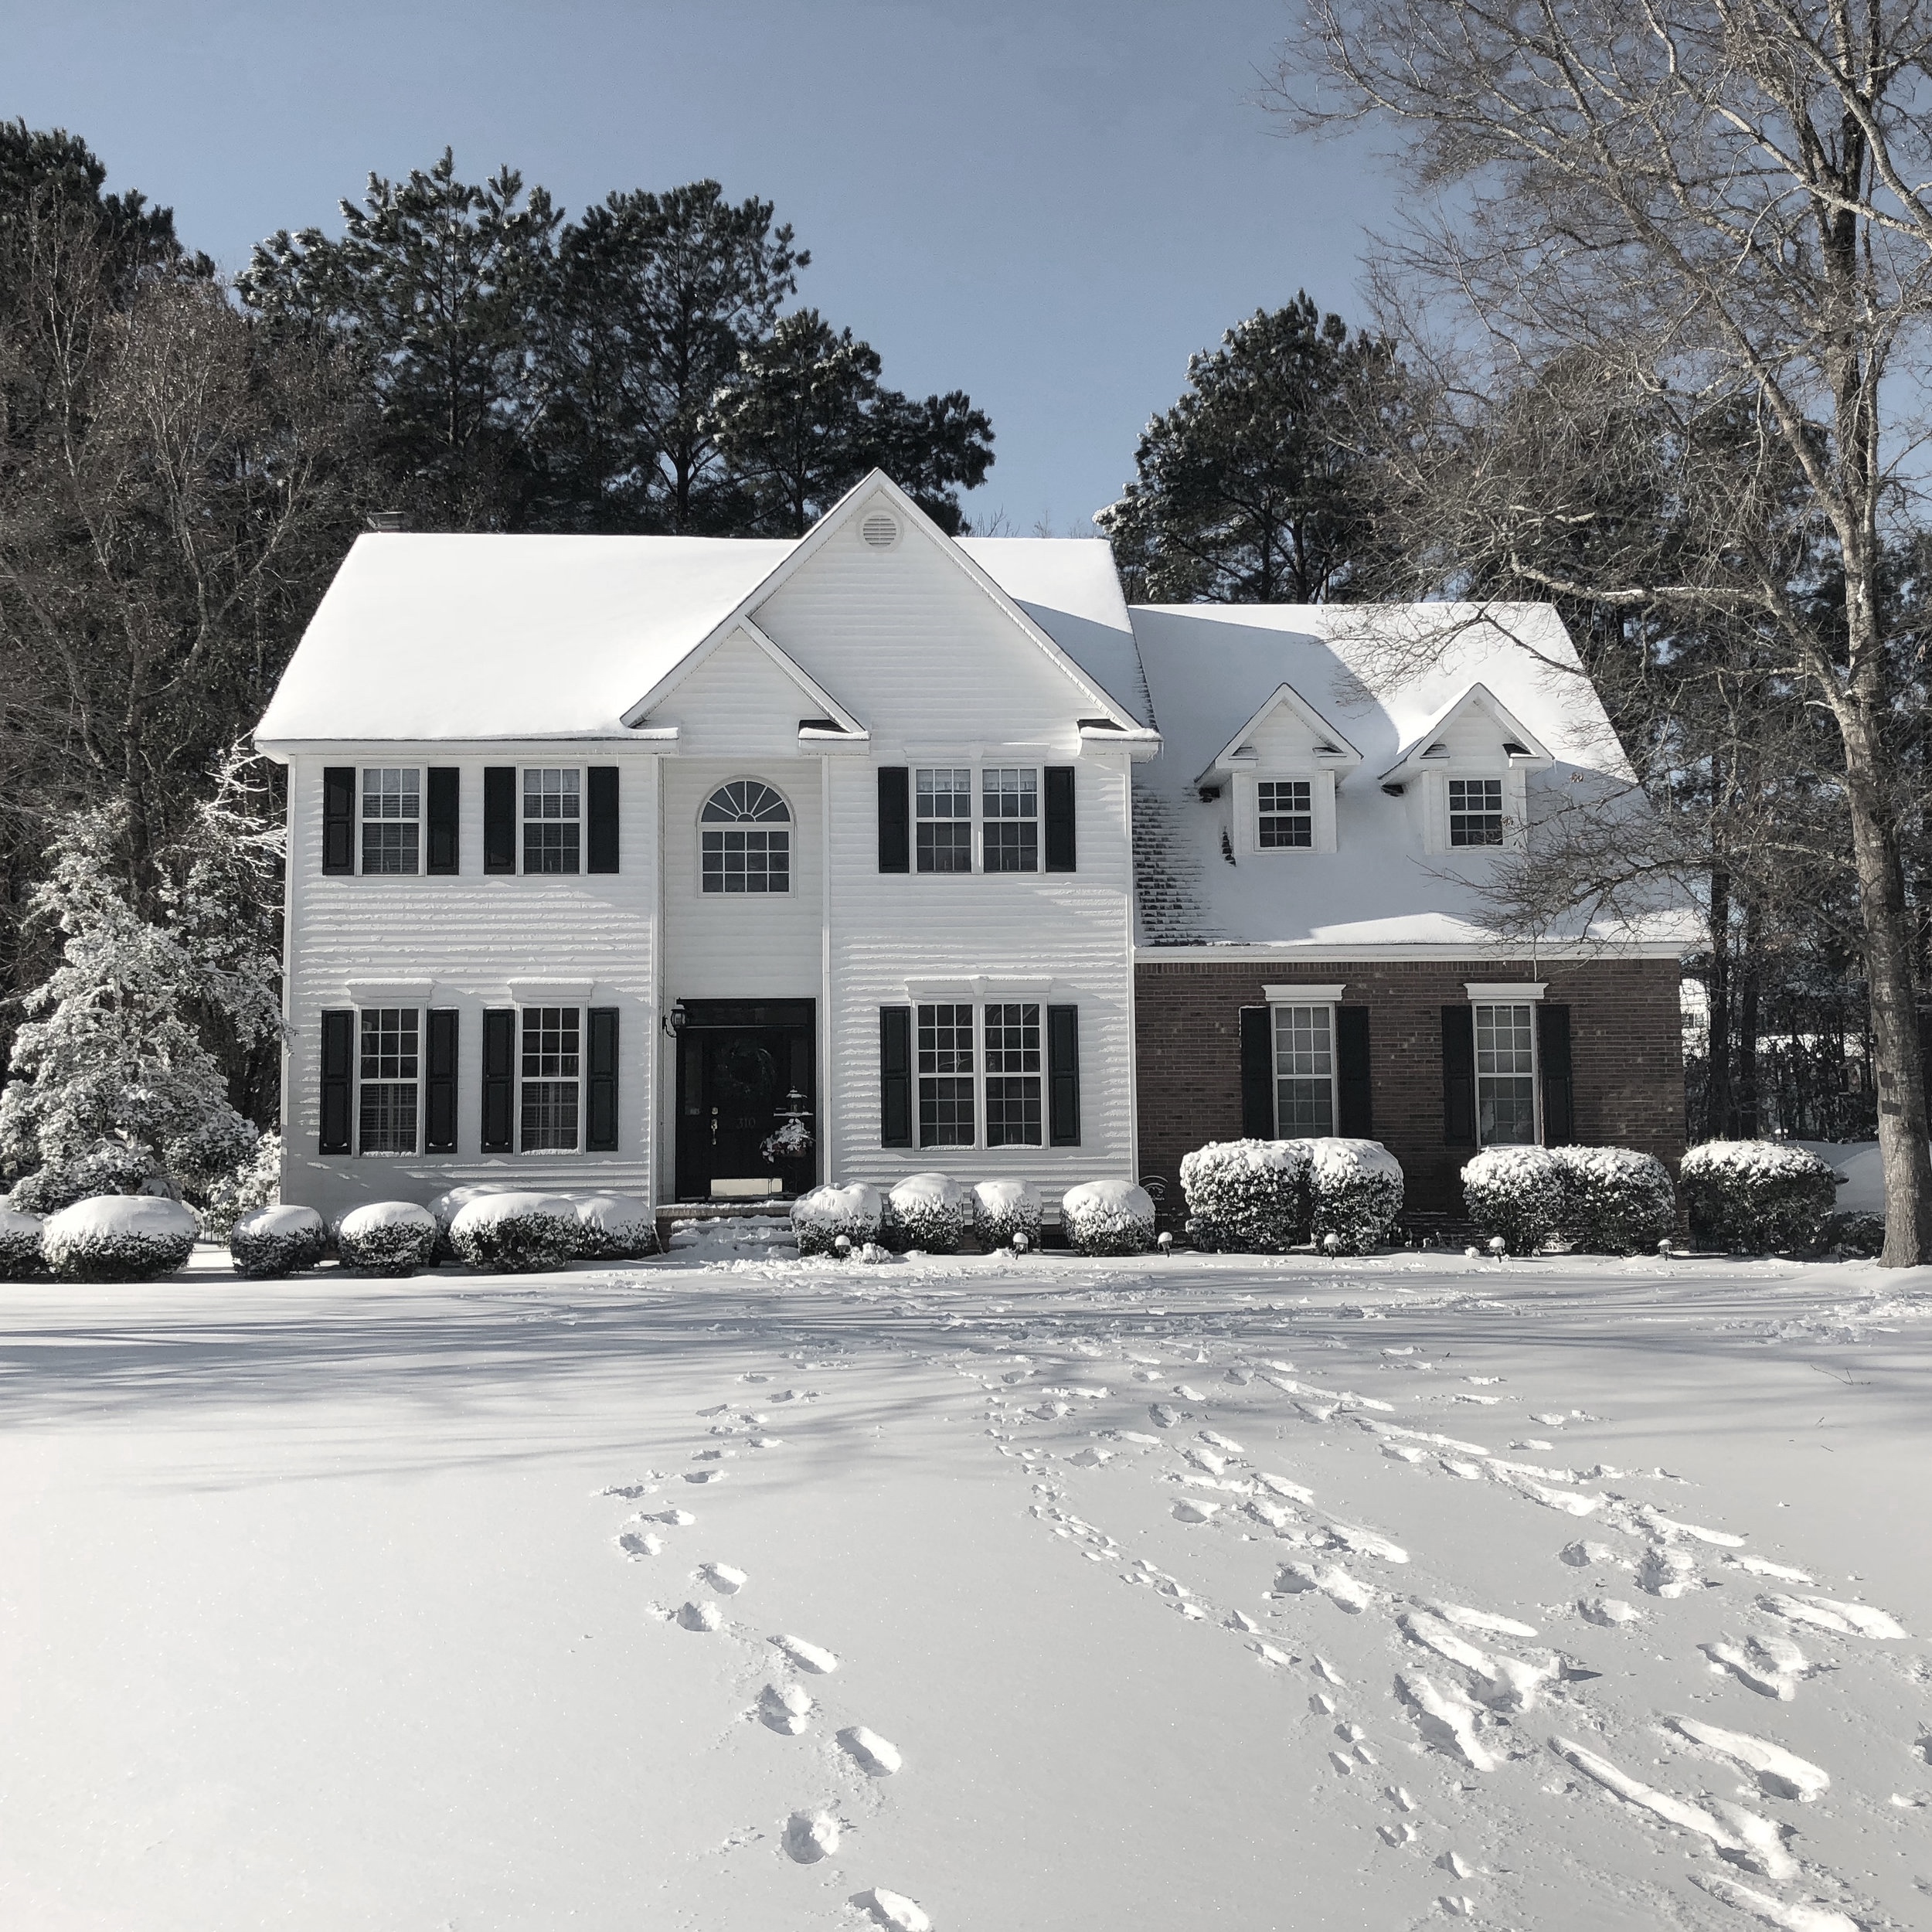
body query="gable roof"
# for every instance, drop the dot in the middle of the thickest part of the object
(1521, 744)
(809, 688)
(1330, 745)
(423, 638)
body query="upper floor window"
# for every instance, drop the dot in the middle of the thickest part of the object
(1009, 808)
(392, 819)
(745, 839)
(553, 819)
(1506, 1075)
(1285, 814)
(1475, 812)
(943, 816)
(388, 1067)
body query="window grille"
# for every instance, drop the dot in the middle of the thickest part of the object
(745, 840)
(553, 819)
(1013, 1076)
(552, 1068)
(1506, 1075)
(942, 815)
(389, 1066)
(392, 819)
(1287, 814)
(1303, 1070)
(946, 1075)
(1475, 812)
(1009, 810)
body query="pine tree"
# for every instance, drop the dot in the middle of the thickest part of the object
(1255, 487)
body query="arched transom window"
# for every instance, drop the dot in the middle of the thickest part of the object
(745, 839)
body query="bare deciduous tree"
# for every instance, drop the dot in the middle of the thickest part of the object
(1719, 209)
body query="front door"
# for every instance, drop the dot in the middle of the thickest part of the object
(739, 1061)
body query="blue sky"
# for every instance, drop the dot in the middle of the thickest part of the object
(1049, 206)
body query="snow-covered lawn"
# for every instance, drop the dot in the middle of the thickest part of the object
(743, 1595)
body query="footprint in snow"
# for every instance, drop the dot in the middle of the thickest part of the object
(893, 1909)
(785, 1709)
(637, 1544)
(706, 1476)
(1826, 1612)
(1772, 1666)
(1779, 1773)
(810, 1836)
(1331, 1579)
(1466, 1619)
(1193, 1509)
(1162, 1416)
(702, 1617)
(871, 1753)
(677, 1519)
(726, 1581)
(810, 1657)
(1222, 1442)
(1610, 1612)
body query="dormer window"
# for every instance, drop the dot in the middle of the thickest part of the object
(1475, 812)
(1284, 809)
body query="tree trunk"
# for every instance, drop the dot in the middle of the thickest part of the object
(1717, 1055)
(1745, 1103)
(1886, 921)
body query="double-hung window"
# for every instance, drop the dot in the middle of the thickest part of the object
(392, 819)
(553, 819)
(1013, 1075)
(1506, 1075)
(1303, 1070)
(1009, 812)
(943, 818)
(390, 1068)
(946, 1070)
(1475, 812)
(552, 1067)
(1284, 815)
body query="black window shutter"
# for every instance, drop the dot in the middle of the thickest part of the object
(896, 1075)
(895, 827)
(439, 1078)
(1257, 1073)
(339, 818)
(444, 804)
(600, 1092)
(601, 783)
(338, 1079)
(1553, 1058)
(499, 819)
(1063, 1076)
(1459, 1076)
(1355, 1111)
(499, 1079)
(1059, 818)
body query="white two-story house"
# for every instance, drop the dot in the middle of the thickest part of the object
(698, 868)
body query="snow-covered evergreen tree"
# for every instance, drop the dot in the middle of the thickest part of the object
(112, 1081)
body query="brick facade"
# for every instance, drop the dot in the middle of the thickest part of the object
(1626, 1045)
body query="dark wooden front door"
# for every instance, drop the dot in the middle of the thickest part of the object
(737, 1060)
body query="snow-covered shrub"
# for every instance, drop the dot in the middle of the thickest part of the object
(274, 1241)
(928, 1211)
(522, 1233)
(445, 1208)
(119, 1237)
(1249, 1197)
(386, 1237)
(256, 1183)
(1354, 1194)
(1108, 1217)
(1616, 1201)
(1758, 1197)
(1516, 1192)
(615, 1227)
(1004, 1209)
(819, 1218)
(20, 1243)
(111, 1168)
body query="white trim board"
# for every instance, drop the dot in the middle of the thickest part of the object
(1304, 995)
(1290, 952)
(1488, 992)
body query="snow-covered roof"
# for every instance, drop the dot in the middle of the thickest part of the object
(1385, 676)
(489, 637)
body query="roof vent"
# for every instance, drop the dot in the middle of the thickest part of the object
(387, 521)
(880, 530)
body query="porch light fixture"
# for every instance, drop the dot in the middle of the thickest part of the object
(673, 1021)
